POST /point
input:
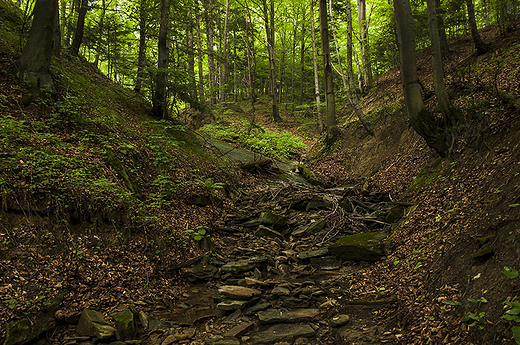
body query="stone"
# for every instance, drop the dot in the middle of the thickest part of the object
(238, 292)
(318, 205)
(325, 263)
(264, 231)
(283, 332)
(231, 305)
(339, 320)
(281, 291)
(223, 341)
(23, 331)
(252, 282)
(239, 329)
(125, 324)
(308, 254)
(394, 214)
(359, 247)
(93, 324)
(287, 316)
(272, 219)
(257, 307)
(244, 265)
(143, 318)
(200, 271)
(310, 229)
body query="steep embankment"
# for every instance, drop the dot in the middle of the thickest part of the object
(96, 197)
(446, 261)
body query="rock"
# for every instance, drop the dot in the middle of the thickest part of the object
(339, 320)
(143, 318)
(244, 265)
(308, 254)
(483, 253)
(283, 332)
(394, 214)
(287, 316)
(125, 324)
(310, 229)
(239, 329)
(280, 291)
(231, 305)
(22, 331)
(318, 205)
(359, 247)
(251, 223)
(273, 219)
(200, 271)
(346, 205)
(326, 263)
(223, 341)
(264, 231)
(257, 307)
(252, 282)
(238, 292)
(93, 324)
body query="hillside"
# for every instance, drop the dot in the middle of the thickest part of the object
(105, 208)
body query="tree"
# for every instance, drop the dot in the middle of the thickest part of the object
(421, 119)
(363, 42)
(211, 62)
(78, 33)
(332, 125)
(199, 58)
(223, 76)
(141, 55)
(480, 46)
(43, 42)
(315, 68)
(159, 97)
(269, 31)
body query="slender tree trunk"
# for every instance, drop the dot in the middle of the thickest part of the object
(293, 60)
(282, 66)
(159, 99)
(302, 62)
(142, 45)
(223, 76)
(211, 62)
(41, 45)
(421, 119)
(200, 59)
(332, 125)
(269, 29)
(359, 72)
(251, 66)
(235, 72)
(448, 112)
(363, 40)
(442, 30)
(315, 68)
(78, 34)
(480, 46)
(350, 89)
(191, 64)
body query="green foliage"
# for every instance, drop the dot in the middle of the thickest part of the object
(260, 139)
(513, 314)
(473, 319)
(209, 185)
(510, 272)
(199, 233)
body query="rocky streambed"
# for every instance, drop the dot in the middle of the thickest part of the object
(276, 272)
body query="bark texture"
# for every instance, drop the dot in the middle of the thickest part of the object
(315, 67)
(480, 46)
(159, 99)
(80, 26)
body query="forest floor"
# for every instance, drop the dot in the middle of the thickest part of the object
(102, 208)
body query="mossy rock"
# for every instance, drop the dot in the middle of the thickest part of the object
(272, 219)
(309, 176)
(359, 247)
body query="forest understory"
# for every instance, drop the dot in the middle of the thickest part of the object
(106, 209)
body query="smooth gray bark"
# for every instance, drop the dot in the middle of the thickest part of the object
(315, 68)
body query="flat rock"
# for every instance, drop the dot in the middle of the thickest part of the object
(244, 265)
(281, 291)
(264, 231)
(125, 324)
(326, 263)
(272, 219)
(283, 332)
(359, 247)
(223, 341)
(231, 305)
(200, 271)
(238, 292)
(308, 254)
(310, 229)
(287, 316)
(239, 329)
(93, 324)
(339, 320)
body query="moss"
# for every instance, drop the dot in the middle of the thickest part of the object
(112, 160)
(427, 176)
(309, 176)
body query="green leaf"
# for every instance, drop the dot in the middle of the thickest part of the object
(419, 264)
(510, 272)
(516, 333)
(511, 317)
(202, 232)
(514, 205)
(480, 300)
(451, 302)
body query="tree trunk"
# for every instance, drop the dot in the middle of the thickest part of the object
(442, 30)
(448, 112)
(363, 42)
(200, 59)
(142, 45)
(269, 30)
(359, 72)
(350, 89)
(191, 64)
(211, 62)
(480, 46)
(293, 60)
(251, 66)
(332, 125)
(159, 98)
(315, 68)
(41, 45)
(80, 26)
(302, 62)
(223, 76)
(421, 119)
